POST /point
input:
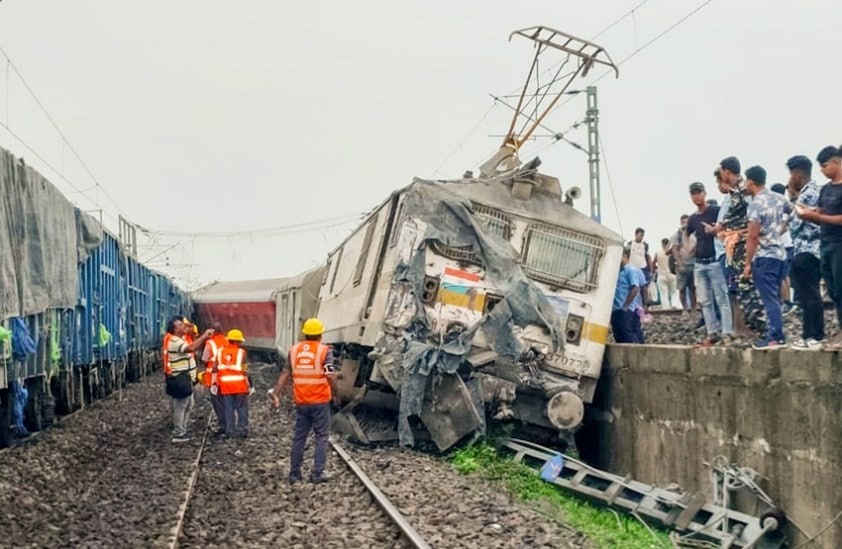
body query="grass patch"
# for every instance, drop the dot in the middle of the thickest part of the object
(604, 528)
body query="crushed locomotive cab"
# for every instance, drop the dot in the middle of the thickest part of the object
(473, 296)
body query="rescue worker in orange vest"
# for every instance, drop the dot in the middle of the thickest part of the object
(216, 342)
(233, 385)
(180, 376)
(191, 331)
(310, 364)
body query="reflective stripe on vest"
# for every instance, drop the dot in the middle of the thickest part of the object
(229, 365)
(165, 357)
(309, 383)
(207, 380)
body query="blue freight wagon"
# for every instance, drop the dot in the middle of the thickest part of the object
(79, 315)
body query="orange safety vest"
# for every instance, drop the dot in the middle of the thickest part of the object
(214, 344)
(309, 383)
(166, 355)
(230, 376)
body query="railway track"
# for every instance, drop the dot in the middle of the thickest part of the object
(398, 520)
(110, 477)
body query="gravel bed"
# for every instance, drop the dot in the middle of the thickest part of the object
(677, 329)
(106, 477)
(110, 477)
(242, 498)
(453, 510)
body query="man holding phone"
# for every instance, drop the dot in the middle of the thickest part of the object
(828, 214)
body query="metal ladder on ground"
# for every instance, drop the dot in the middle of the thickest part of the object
(689, 514)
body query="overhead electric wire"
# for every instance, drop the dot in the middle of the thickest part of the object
(464, 140)
(272, 231)
(52, 121)
(625, 59)
(610, 185)
(639, 49)
(50, 166)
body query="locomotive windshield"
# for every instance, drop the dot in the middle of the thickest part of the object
(493, 221)
(562, 257)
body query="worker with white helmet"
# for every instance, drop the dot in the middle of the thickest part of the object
(233, 384)
(310, 364)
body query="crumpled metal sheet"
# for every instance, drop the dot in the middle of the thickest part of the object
(445, 216)
(43, 237)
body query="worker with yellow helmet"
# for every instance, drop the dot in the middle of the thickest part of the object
(310, 365)
(233, 384)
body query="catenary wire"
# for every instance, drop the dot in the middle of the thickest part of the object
(270, 231)
(51, 167)
(52, 121)
(657, 37)
(610, 184)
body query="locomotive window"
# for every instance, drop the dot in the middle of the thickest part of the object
(369, 233)
(493, 221)
(396, 227)
(336, 270)
(562, 257)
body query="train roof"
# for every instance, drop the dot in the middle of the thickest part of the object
(545, 204)
(249, 291)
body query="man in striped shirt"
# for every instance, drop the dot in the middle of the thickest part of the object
(181, 374)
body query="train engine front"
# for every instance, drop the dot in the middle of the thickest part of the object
(498, 306)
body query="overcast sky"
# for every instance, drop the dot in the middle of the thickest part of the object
(205, 116)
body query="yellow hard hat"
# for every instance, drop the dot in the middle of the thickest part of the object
(195, 330)
(235, 335)
(313, 327)
(201, 377)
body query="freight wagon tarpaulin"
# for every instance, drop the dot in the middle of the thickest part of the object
(446, 218)
(42, 239)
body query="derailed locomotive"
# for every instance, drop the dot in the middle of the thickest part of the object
(481, 297)
(457, 298)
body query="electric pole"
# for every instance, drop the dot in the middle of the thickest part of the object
(592, 117)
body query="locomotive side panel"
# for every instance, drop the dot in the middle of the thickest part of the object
(357, 280)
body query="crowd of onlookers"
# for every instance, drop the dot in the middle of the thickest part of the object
(747, 260)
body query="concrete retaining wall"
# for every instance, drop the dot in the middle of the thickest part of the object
(664, 410)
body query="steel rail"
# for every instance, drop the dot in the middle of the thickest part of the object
(175, 533)
(411, 534)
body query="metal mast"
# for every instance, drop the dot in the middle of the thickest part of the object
(592, 116)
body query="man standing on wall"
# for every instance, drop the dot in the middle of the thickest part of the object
(806, 257)
(765, 254)
(828, 214)
(711, 288)
(733, 229)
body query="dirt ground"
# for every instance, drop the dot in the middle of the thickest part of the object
(110, 477)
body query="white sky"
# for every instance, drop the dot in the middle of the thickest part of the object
(201, 116)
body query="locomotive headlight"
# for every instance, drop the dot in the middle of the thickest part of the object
(573, 332)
